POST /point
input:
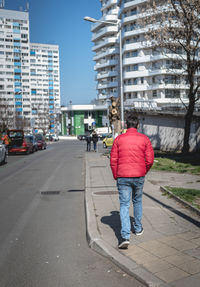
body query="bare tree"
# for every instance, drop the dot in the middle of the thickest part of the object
(6, 115)
(42, 116)
(175, 27)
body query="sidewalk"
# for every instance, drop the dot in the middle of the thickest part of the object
(168, 252)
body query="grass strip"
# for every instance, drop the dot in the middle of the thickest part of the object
(191, 196)
(177, 164)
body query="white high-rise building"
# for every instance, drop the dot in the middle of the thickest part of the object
(148, 74)
(15, 102)
(105, 38)
(29, 77)
(45, 86)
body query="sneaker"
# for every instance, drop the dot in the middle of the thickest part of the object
(140, 232)
(124, 243)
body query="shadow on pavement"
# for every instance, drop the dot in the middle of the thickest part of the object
(114, 222)
(179, 213)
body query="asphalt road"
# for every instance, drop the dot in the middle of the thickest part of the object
(42, 223)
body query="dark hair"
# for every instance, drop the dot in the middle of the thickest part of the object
(132, 120)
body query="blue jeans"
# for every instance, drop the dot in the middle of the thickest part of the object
(95, 146)
(127, 187)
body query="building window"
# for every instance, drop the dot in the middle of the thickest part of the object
(172, 93)
(134, 53)
(135, 67)
(135, 81)
(154, 94)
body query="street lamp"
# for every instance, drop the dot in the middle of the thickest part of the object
(118, 24)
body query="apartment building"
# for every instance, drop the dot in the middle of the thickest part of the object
(106, 49)
(45, 86)
(29, 77)
(149, 79)
(148, 73)
(14, 68)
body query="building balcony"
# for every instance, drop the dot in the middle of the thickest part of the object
(107, 85)
(109, 3)
(129, 4)
(110, 17)
(106, 42)
(104, 32)
(102, 97)
(106, 52)
(106, 64)
(106, 74)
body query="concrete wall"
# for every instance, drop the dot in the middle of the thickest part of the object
(166, 131)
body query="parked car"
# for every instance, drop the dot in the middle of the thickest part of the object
(3, 153)
(41, 141)
(108, 141)
(34, 142)
(18, 142)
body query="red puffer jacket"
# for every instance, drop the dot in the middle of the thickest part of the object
(132, 155)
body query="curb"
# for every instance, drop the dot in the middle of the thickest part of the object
(185, 203)
(102, 247)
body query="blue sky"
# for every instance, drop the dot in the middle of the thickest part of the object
(61, 22)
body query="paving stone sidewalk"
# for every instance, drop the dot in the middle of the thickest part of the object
(168, 252)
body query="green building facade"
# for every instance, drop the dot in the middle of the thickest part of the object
(78, 119)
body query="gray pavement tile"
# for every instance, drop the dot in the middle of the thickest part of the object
(193, 252)
(157, 265)
(178, 243)
(143, 257)
(189, 235)
(192, 281)
(191, 267)
(196, 241)
(179, 258)
(132, 250)
(158, 249)
(171, 274)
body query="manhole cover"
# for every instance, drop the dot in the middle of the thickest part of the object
(106, 192)
(50, 192)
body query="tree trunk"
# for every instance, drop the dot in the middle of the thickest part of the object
(188, 121)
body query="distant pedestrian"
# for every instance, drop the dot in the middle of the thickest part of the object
(131, 158)
(6, 141)
(88, 140)
(95, 140)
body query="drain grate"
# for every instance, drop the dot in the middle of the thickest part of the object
(97, 166)
(50, 192)
(106, 192)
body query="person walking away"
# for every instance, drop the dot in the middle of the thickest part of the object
(88, 140)
(95, 140)
(131, 158)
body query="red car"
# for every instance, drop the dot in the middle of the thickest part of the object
(41, 141)
(18, 143)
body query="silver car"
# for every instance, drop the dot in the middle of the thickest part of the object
(3, 153)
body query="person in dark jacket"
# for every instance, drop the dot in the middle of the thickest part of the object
(88, 140)
(95, 140)
(131, 158)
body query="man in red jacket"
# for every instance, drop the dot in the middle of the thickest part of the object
(131, 158)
